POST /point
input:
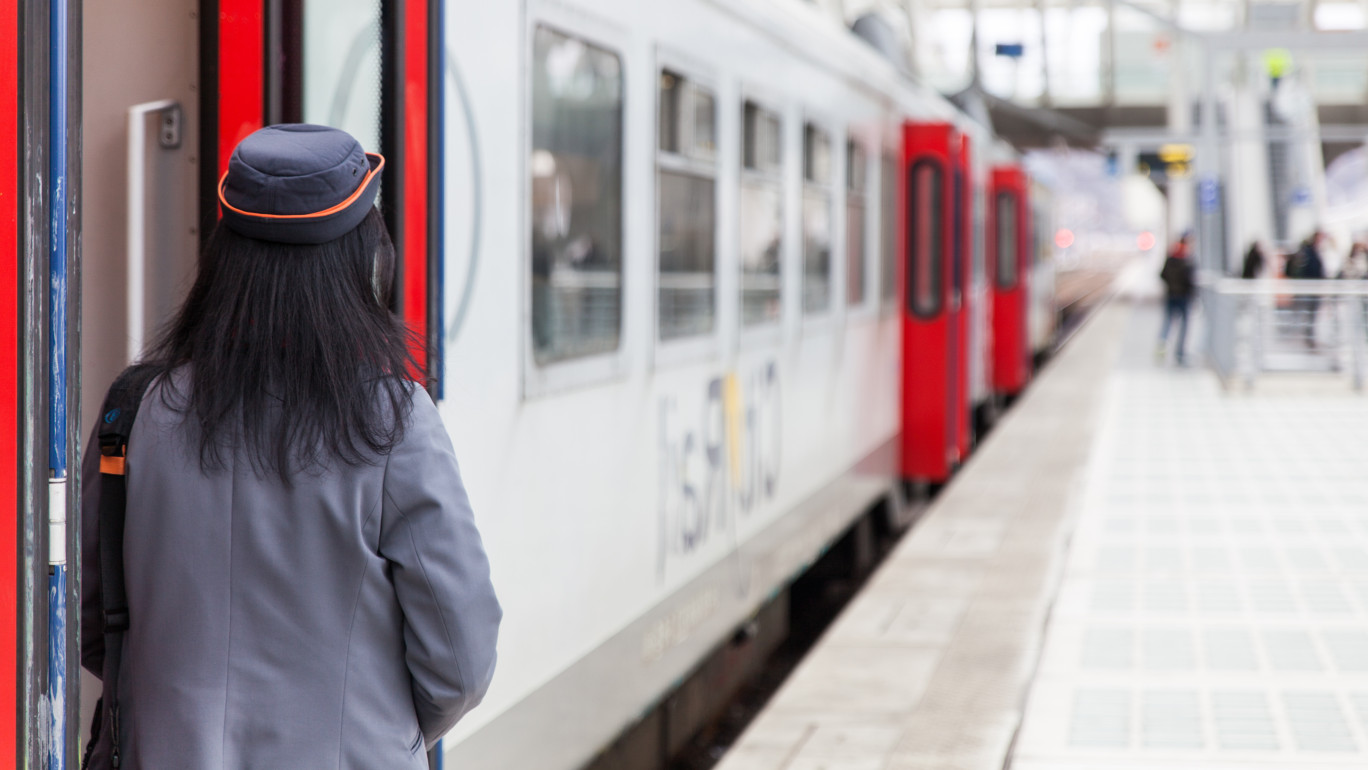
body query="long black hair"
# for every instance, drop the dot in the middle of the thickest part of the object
(291, 351)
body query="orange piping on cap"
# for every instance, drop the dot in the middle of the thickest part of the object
(365, 182)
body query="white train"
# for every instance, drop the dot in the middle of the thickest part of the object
(663, 287)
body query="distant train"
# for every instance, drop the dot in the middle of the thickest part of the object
(703, 284)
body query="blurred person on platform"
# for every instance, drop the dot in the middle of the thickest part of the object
(1255, 262)
(1355, 266)
(1306, 264)
(1179, 282)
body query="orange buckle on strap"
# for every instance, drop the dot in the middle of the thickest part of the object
(112, 465)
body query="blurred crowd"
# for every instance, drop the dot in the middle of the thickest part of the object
(1315, 258)
(1306, 262)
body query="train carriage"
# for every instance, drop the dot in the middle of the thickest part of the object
(1010, 234)
(1043, 321)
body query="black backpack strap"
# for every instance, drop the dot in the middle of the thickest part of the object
(116, 425)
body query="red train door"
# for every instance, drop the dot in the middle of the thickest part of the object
(1009, 236)
(928, 236)
(963, 191)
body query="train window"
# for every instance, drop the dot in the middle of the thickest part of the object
(761, 217)
(926, 220)
(687, 209)
(576, 166)
(1006, 228)
(816, 220)
(888, 230)
(816, 155)
(342, 67)
(957, 255)
(856, 177)
(704, 123)
(1040, 226)
(762, 139)
(979, 247)
(671, 94)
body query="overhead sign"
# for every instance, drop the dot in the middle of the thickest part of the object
(1010, 50)
(1177, 160)
(1172, 161)
(1176, 153)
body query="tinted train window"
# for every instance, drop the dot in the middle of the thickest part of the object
(958, 255)
(342, 68)
(687, 208)
(704, 144)
(979, 245)
(1040, 226)
(856, 178)
(576, 167)
(672, 88)
(1006, 257)
(816, 220)
(761, 216)
(762, 140)
(925, 233)
(888, 230)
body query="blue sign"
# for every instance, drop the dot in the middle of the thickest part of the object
(1208, 195)
(1301, 196)
(1010, 50)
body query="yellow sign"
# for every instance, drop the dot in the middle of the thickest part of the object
(1176, 153)
(1277, 61)
(731, 405)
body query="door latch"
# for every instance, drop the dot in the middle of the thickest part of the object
(169, 133)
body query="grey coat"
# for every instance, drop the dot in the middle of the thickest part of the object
(346, 621)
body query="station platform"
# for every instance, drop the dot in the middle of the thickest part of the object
(1137, 569)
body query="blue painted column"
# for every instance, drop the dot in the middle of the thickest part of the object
(57, 390)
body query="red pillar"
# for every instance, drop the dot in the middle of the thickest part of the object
(241, 74)
(9, 381)
(414, 217)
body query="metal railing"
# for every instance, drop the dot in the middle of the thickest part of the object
(1273, 325)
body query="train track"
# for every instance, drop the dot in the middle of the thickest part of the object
(1077, 293)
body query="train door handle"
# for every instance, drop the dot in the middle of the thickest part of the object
(169, 137)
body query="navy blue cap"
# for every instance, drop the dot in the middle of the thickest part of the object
(299, 183)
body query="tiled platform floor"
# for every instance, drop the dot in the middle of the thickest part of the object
(1163, 574)
(1214, 612)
